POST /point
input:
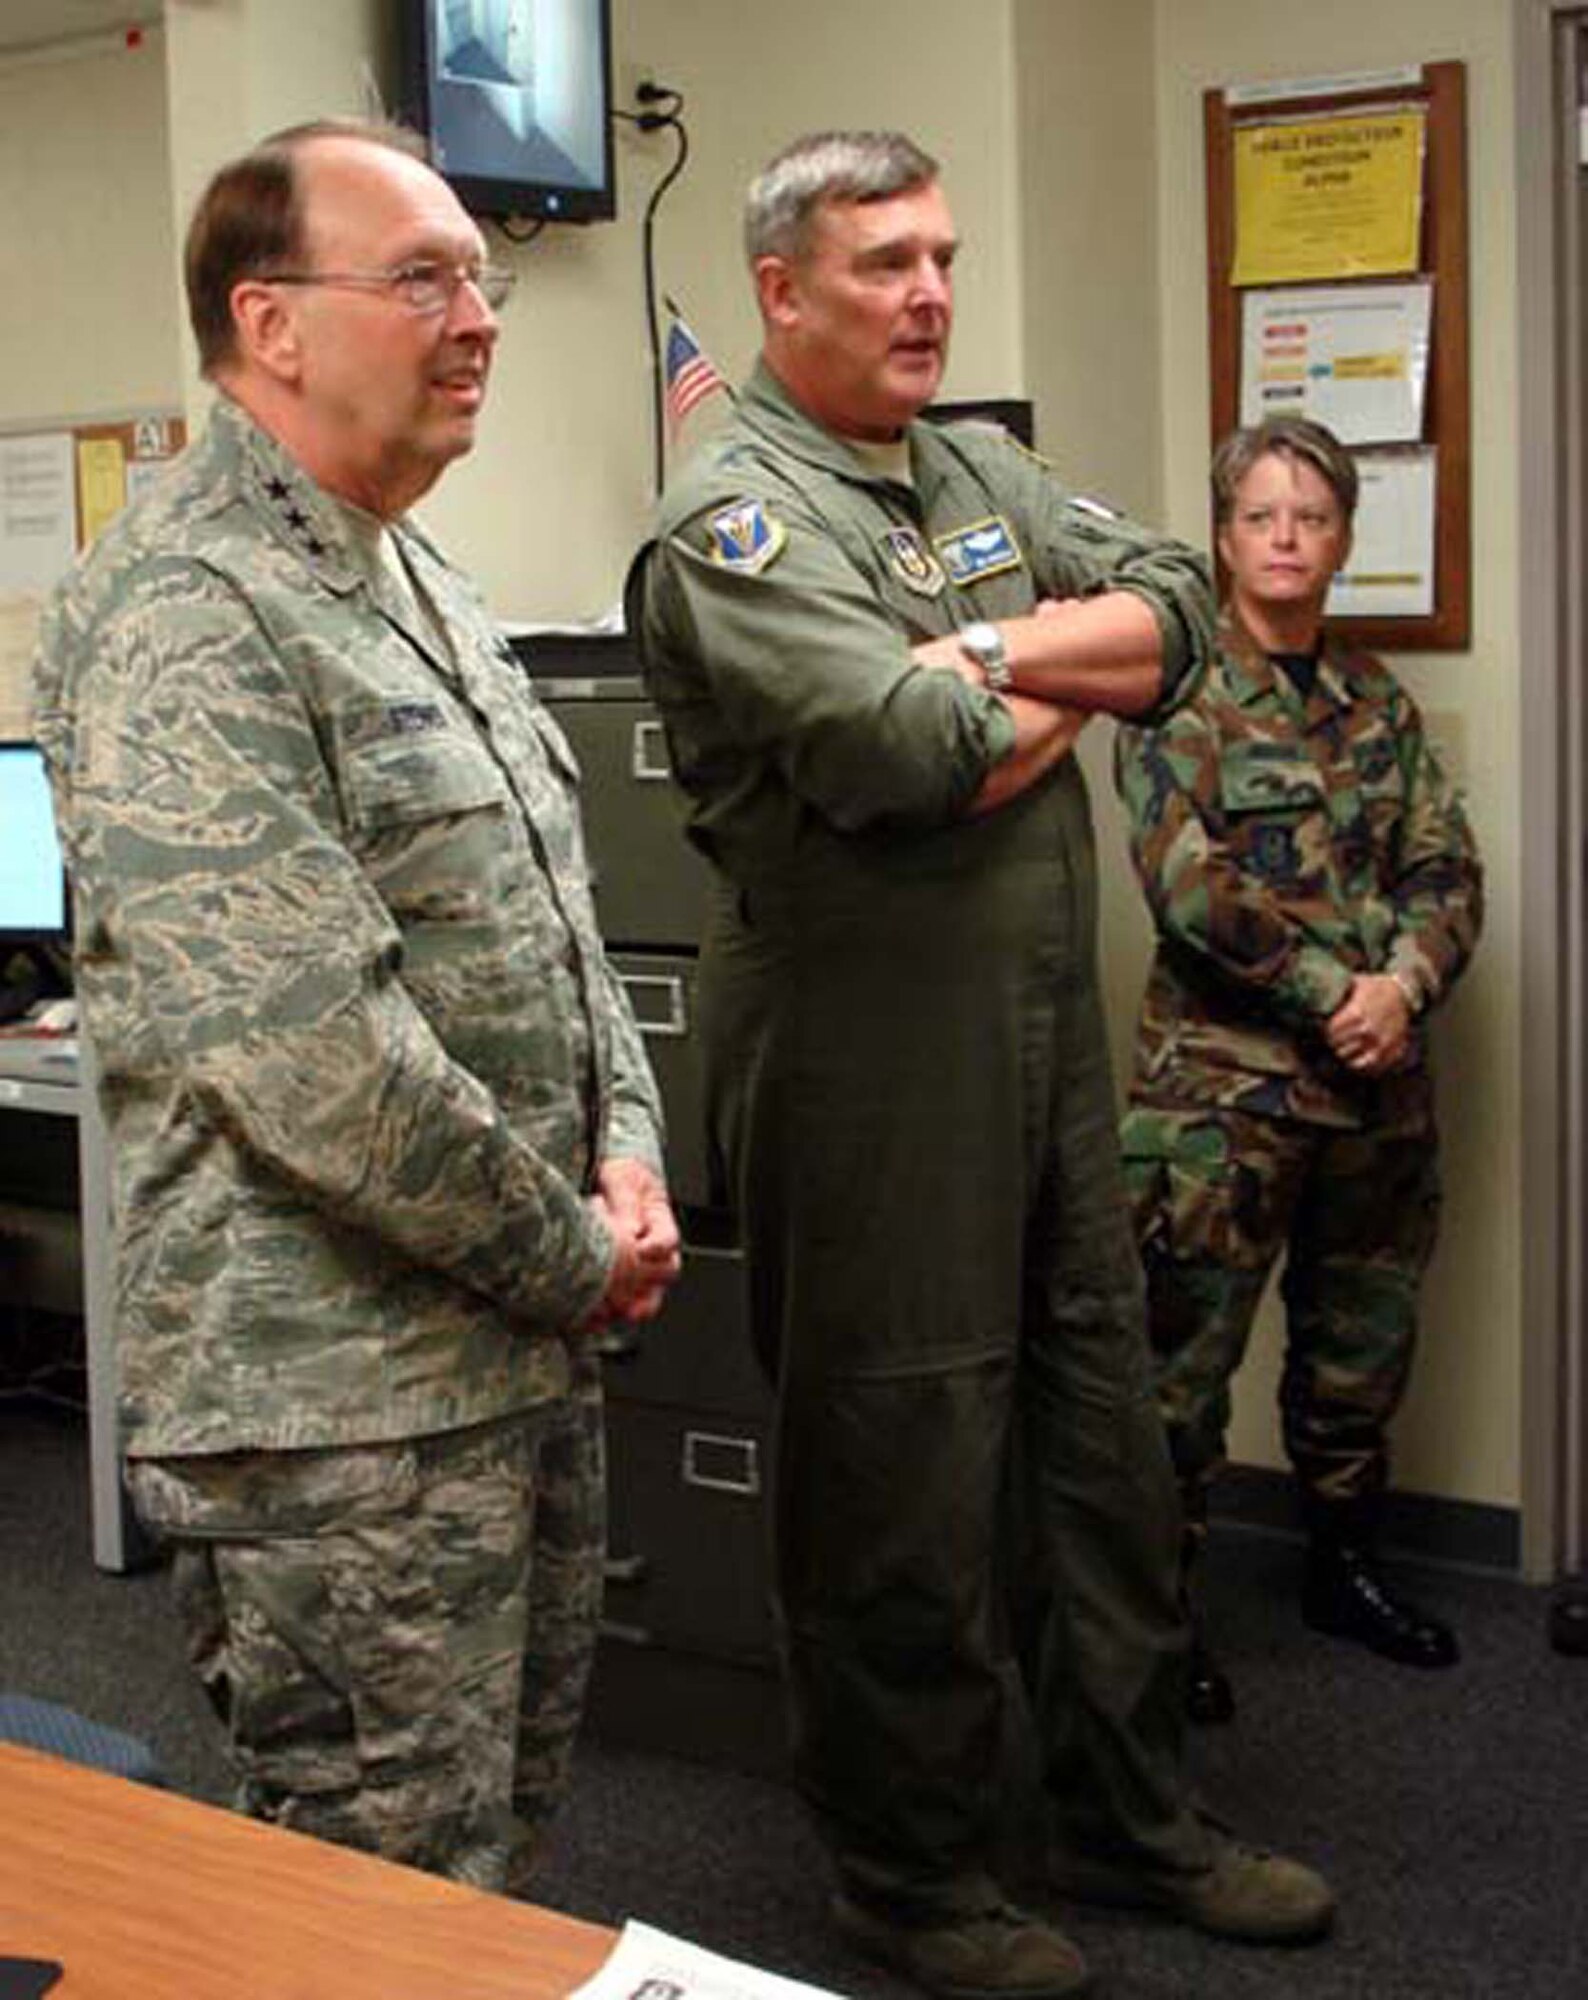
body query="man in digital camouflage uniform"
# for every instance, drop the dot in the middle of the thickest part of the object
(386, 1148)
(1316, 892)
(872, 643)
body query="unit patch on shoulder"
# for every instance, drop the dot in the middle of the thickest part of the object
(913, 563)
(985, 548)
(745, 537)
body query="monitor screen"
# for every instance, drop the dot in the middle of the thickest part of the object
(514, 97)
(32, 877)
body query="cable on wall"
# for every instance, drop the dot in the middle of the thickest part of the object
(663, 111)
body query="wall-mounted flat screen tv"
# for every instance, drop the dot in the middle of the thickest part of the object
(514, 97)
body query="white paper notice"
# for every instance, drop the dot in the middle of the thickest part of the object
(38, 511)
(647, 1964)
(1390, 573)
(1354, 357)
(19, 624)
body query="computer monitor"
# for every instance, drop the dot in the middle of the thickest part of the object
(34, 906)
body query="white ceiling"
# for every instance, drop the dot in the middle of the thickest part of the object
(25, 23)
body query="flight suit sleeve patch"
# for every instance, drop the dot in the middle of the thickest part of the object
(745, 537)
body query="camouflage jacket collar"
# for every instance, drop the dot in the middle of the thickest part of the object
(299, 513)
(1256, 682)
(315, 525)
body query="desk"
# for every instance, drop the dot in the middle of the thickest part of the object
(65, 1090)
(142, 1895)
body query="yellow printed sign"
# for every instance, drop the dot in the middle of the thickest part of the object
(1329, 197)
(101, 483)
(1369, 367)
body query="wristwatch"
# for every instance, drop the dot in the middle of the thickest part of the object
(984, 644)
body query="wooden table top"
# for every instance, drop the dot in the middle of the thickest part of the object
(142, 1895)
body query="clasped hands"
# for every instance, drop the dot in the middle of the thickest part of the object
(1371, 1029)
(632, 1201)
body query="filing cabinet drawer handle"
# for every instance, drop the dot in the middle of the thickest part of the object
(617, 1633)
(671, 1017)
(721, 1464)
(626, 1569)
(648, 756)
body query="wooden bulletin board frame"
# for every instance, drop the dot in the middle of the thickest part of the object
(1442, 257)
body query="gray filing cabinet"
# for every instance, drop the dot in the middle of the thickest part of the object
(687, 1658)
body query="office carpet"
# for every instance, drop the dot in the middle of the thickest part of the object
(1450, 1810)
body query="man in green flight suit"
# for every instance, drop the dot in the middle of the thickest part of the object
(873, 644)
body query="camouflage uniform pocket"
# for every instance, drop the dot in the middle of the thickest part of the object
(1204, 1187)
(405, 778)
(1268, 792)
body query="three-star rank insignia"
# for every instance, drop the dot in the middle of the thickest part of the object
(913, 563)
(985, 548)
(745, 537)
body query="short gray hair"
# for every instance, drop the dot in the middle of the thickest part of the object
(827, 166)
(1296, 438)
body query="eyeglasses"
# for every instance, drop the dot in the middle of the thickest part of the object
(426, 286)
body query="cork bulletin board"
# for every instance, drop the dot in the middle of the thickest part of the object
(1337, 282)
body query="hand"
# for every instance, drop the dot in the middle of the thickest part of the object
(633, 1203)
(1370, 1030)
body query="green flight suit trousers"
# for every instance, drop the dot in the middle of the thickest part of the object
(909, 1086)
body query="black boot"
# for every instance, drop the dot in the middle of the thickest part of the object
(1345, 1594)
(1209, 1697)
(1568, 1618)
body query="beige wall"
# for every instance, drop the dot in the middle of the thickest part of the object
(568, 438)
(1085, 112)
(90, 321)
(1459, 1433)
(237, 69)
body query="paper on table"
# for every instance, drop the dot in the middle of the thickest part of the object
(647, 1964)
(27, 1978)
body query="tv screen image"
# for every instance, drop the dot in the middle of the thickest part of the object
(514, 98)
(33, 906)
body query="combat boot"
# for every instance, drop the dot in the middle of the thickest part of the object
(1345, 1594)
(996, 1952)
(1568, 1619)
(1244, 1893)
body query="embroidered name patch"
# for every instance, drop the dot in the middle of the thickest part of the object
(394, 718)
(985, 548)
(745, 537)
(913, 563)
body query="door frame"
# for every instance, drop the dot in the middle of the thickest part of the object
(1552, 443)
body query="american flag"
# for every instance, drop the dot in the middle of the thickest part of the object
(689, 372)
